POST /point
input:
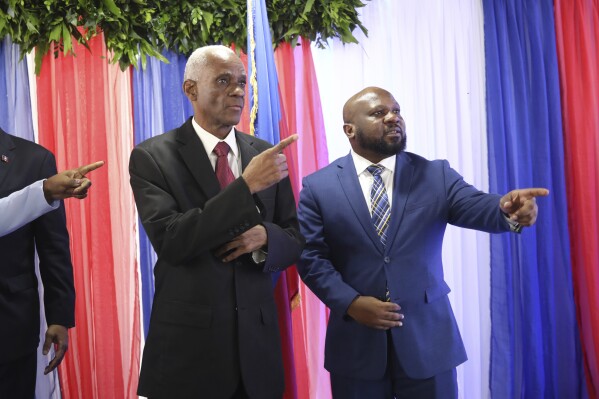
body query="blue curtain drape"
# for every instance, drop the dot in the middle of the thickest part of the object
(15, 107)
(535, 348)
(159, 105)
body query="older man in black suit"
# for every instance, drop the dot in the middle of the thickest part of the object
(218, 208)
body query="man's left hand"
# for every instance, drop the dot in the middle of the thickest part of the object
(59, 336)
(521, 205)
(245, 243)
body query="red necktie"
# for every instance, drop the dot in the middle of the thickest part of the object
(224, 174)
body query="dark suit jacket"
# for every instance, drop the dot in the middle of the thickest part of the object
(212, 322)
(19, 299)
(344, 258)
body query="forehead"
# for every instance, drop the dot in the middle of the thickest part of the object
(375, 99)
(227, 64)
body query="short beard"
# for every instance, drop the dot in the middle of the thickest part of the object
(381, 147)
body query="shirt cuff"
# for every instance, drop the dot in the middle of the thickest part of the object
(515, 227)
(259, 256)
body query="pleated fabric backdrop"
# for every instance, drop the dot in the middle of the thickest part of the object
(507, 90)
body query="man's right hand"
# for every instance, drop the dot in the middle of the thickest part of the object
(70, 183)
(269, 167)
(374, 313)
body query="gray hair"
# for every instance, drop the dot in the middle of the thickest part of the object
(200, 57)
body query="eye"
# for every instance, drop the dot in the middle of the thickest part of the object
(242, 85)
(222, 81)
(397, 111)
(377, 113)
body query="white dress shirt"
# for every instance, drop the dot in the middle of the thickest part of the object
(210, 141)
(366, 179)
(23, 206)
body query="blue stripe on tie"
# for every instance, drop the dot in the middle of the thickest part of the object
(379, 205)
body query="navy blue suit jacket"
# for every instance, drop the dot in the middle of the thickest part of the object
(26, 163)
(344, 258)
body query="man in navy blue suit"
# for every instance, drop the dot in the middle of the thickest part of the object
(374, 222)
(21, 164)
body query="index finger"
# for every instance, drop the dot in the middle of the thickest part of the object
(284, 144)
(535, 192)
(83, 170)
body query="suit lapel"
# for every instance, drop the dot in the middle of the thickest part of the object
(7, 146)
(402, 182)
(348, 178)
(194, 155)
(247, 151)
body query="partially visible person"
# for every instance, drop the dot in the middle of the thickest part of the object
(43, 196)
(218, 208)
(374, 222)
(23, 163)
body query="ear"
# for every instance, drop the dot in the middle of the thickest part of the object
(349, 130)
(190, 89)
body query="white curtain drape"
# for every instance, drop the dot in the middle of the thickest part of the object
(430, 56)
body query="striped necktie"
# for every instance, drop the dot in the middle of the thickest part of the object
(379, 203)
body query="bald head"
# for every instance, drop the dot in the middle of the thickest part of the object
(203, 56)
(373, 124)
(364, 95)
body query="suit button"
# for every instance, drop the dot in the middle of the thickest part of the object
(236, 308)
(387, 259)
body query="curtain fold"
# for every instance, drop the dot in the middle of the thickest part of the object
(577, 31)
(85, 110)
(535, 349)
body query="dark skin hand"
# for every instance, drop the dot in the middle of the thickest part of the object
(57, 335)
(269, 167)
(70, 183)
(521, 205)
(245, 243)
(374, 313)
(265, 169)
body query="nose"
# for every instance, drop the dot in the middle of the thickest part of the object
(392, 117)
(238, 90)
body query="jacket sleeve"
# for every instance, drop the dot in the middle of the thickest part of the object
(178, 236)
(315, 266)
(56, 270)
(285, 243)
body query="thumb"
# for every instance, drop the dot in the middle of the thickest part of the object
(47, 344)
(507, 202)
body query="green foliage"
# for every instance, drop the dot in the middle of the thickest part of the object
(135, 29)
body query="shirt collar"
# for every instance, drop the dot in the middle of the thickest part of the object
(362, 163)
(210, 141)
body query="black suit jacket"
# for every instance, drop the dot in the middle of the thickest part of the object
(19, 299)
(212, 323)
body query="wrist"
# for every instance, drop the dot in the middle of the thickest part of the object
(46, 191)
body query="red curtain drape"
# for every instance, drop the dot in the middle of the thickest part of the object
(303, 112)
(577, 30)
(84, 107)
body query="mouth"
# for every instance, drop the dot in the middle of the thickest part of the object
(397, 132)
